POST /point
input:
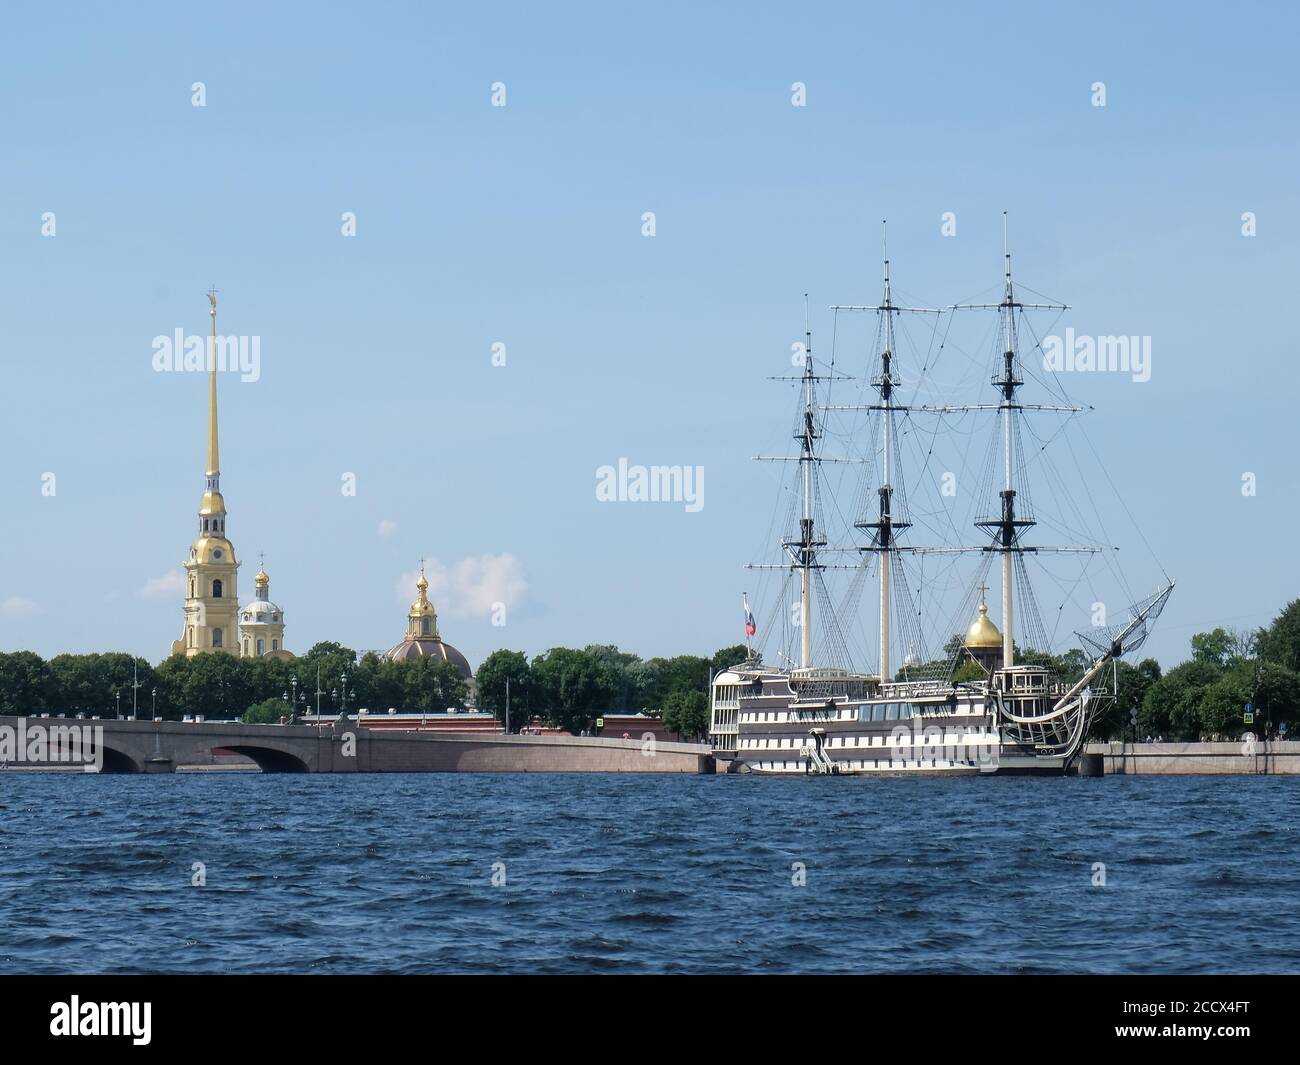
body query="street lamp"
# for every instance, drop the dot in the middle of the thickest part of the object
(155, 704)
(118, 697)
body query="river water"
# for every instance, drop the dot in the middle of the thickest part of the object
(635, 873)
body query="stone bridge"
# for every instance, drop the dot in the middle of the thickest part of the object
(342, 747)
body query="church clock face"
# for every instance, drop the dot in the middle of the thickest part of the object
(217, 554)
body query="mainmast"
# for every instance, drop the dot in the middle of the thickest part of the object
(888, 521)
(886, 525)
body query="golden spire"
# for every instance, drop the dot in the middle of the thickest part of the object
(214, 458)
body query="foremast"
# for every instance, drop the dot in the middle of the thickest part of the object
(1007, 527)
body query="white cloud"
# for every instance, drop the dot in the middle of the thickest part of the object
(470, 587)
(169, 584)
(386, 528)
(17, 607)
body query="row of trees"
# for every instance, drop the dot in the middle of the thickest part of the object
(569, 688)
(566, 687)
(222, 685)
(1206, 696)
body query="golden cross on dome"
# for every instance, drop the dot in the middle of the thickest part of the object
(984, 593)
(212, 296)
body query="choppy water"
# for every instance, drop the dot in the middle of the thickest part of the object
(646, 874)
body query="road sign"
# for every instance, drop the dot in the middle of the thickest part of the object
(1248, 717)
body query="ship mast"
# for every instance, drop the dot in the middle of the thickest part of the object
(1008, 383)
(887, 523)
(1006, 528)
(803, 552)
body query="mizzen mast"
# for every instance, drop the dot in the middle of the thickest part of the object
(803, 552)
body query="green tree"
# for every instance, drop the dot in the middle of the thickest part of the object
(726, 657)
(26, 684)
(1213, 648)
(334, 661)
(686, 712)
(1171, 706)
(570, 687)
(490, 681)
(1131, 689)
(669, 674)
(267, 712)
(1280, 641)
(629, 673)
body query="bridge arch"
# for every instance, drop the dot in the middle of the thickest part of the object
(116, 761)
(269, 759)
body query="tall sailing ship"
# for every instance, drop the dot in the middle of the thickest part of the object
(983, 703)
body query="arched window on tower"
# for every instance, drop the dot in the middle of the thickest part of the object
(216, 637)
(216, 589)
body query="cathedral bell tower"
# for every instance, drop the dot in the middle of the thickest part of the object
(211, 597)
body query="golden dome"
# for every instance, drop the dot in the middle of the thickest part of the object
(212, 503)
(983, 634)
(422, 608)
(261, 580)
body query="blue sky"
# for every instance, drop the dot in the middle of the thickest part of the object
(522, 225)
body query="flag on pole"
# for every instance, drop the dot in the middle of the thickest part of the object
(750, 627)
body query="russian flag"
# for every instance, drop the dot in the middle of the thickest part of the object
(750, 627)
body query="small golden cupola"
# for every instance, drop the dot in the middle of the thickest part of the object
(422, 637)
(983, 634)
(983, 641)
(423, 618)
(261, 623)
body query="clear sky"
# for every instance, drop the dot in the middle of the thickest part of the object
(522, 225)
